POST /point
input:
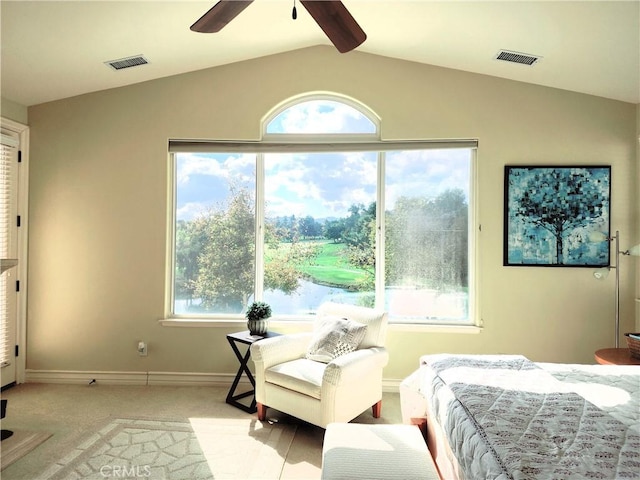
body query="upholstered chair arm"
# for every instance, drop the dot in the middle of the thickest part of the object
(352, 367)
(272, 351)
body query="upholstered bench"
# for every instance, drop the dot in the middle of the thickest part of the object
(376, 452)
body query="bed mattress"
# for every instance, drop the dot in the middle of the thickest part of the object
(504, 417)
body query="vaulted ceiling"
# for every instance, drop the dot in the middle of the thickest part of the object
(53, 50)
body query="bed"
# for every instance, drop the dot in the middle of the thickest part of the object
(506, 417)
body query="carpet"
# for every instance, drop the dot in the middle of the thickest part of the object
(194, 449)
(19, 444)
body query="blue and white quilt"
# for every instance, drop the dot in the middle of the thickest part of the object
(509, 418)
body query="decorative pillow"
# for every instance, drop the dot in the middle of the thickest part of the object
(333, 337)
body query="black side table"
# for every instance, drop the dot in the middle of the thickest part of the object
(246, 339)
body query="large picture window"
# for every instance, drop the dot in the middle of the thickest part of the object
(322, 210)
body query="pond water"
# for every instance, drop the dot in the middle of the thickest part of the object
(307, 298)
(408, 303)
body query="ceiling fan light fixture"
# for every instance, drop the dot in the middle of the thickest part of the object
(331, 16)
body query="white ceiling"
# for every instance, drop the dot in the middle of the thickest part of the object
(53, 50)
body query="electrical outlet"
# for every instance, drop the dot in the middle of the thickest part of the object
(142, 349)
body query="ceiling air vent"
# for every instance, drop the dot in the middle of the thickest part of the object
(517, 57)
(127, 62)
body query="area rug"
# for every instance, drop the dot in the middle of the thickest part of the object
(193, 449)
(19, 444)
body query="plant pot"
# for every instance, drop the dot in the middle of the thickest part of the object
(258, 327)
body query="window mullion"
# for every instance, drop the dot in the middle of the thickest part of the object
(260, 222)
(170, 274)
(380, 233)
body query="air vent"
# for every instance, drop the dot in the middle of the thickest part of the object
(517, 57)
(127, 62)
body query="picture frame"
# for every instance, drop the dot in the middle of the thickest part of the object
(557, 216)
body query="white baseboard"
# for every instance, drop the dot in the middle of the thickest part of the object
(130, 378)
(390, 385)
(192, 379)
(81, 377)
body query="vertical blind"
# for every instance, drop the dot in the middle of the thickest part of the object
(8, 152)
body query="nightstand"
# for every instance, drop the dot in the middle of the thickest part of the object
(616, 356)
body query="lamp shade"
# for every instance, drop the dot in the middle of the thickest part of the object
(635, 250)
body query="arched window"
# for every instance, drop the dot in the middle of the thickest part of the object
(321, 115)
(323, 210)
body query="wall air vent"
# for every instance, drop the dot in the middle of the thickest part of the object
(127, 62)
(517, 57)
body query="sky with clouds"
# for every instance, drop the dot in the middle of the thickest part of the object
(323, 185)
(321, 116)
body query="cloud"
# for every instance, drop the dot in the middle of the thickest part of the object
(190, 210)
(320, 185)
(425, 173)
(224, 165)
(281, 207)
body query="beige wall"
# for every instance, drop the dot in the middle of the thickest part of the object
(98, 203)
(13, 111)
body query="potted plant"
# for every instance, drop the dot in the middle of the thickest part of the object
(257, 315)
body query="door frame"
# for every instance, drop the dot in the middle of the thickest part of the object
(23, 235)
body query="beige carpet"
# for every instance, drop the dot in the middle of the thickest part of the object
(73, 412)
(19, 444)
(195, 448)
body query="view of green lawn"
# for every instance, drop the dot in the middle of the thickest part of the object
(330, 266)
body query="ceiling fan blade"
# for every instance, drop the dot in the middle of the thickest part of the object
(219, 15)
(337, 23)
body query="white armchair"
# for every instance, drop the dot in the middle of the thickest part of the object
(321, 393)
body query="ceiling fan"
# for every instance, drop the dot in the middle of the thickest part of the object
(332, 16)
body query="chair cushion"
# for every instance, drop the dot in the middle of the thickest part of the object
(335, 336)
(301, 375)
(375, 320)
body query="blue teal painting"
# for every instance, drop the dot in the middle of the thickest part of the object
(552, 215)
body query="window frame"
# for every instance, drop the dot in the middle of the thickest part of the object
(317, 143)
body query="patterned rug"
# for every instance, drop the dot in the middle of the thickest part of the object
(19, 444)
(194, 449)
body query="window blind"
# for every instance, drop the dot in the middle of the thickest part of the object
(205, 146)
(8, 160)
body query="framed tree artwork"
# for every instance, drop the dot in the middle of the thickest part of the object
(552, 215)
